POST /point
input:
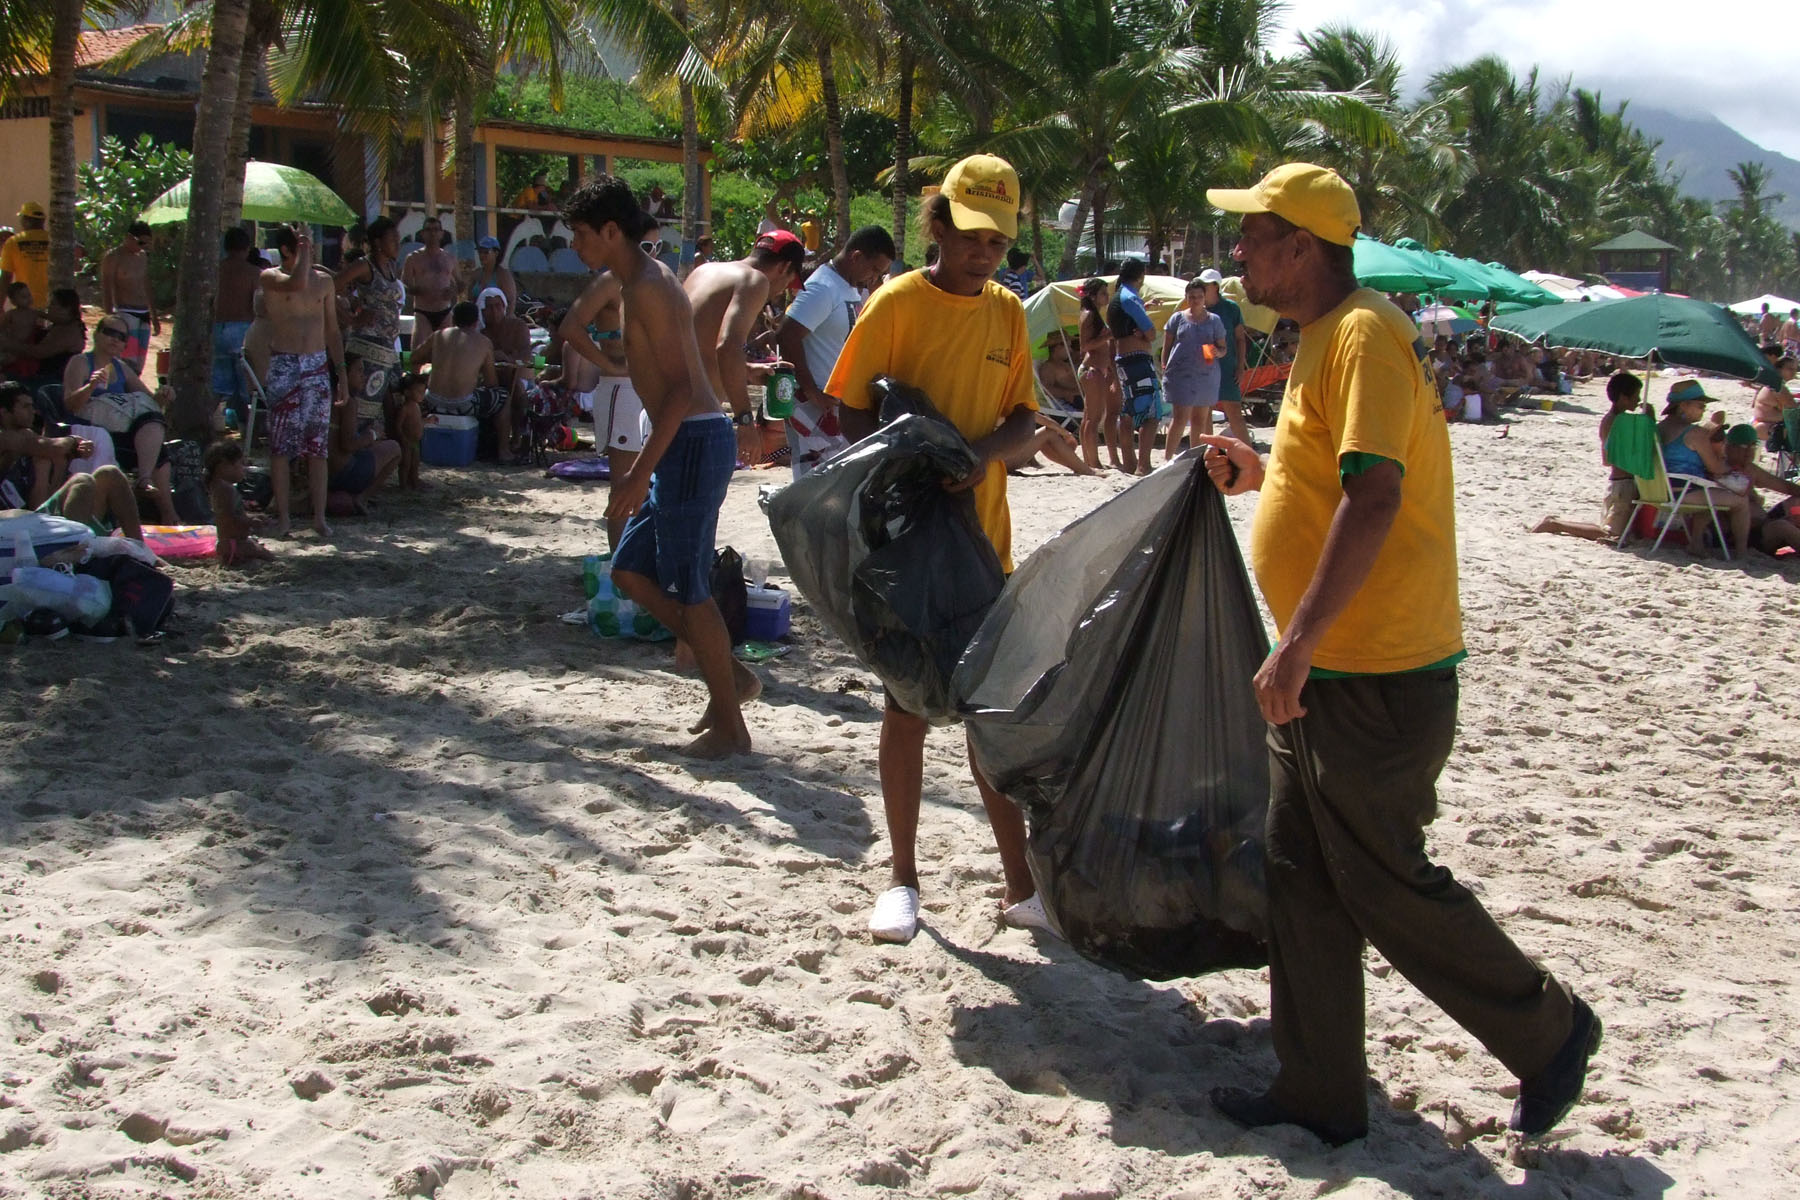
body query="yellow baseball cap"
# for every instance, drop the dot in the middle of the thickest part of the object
(31, 208)
(1315, 198)
(984, 194)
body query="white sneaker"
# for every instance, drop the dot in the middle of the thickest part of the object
(1027, 914)
(896, 915)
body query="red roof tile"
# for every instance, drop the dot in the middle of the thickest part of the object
(99, 45)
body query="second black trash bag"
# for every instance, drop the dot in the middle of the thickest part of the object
(1109, 694)
(893, 564)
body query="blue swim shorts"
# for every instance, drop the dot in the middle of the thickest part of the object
(670, 539)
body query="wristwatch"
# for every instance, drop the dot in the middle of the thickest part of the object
(747, 417)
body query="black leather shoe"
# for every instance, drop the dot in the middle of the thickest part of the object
(1253, 1110)
(1546, 1098)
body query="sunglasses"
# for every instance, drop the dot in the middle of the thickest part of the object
(109, 331)
(650, 247)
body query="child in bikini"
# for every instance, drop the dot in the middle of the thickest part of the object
(409, 425)
(225, 466)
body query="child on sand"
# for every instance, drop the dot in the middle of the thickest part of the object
(225, 466)
(409, 425)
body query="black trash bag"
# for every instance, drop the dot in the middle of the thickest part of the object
(1109, 694)
(893, 564)
(730, 592)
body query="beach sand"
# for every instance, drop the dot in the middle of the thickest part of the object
(377, 880)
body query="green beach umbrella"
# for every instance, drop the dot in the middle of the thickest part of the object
(1673, 329)
(1523, 291)
(272, 192)
(1392, 269)
(1464, 284)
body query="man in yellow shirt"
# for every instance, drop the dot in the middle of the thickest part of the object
(959, 337)
(26, 255)
(1354, 547)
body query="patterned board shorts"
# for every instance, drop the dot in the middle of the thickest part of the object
(299, 390)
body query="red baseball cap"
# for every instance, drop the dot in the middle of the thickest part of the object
(784, 244)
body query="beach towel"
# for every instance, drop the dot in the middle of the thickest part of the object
(894, 565)
(1631, 444)
(1109, 695)
(181, 541)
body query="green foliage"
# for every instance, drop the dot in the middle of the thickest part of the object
(110, 196)
(588, 104)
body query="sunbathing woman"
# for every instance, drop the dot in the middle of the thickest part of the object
(1102, 405)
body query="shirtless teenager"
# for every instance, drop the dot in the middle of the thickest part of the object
(463, 381)
(673, 491)
(234, 309)
(728, 297)
(429, 274)
(31, 466)
(18, 329)
(594, 371)
(125, 291)
(305, 355)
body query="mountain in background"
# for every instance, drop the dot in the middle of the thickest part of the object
(1702, 149)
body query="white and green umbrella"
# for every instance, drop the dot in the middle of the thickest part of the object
(272, 192)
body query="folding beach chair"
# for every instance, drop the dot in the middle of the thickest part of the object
(1676, 496)
(1786, 445)
(258, 398)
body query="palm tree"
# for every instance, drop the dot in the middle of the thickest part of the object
(197, 281)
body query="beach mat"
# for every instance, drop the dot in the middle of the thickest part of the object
(1109, 695)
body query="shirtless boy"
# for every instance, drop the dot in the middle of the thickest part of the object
(18, 329)
(673, 491)
(727, 298)
(464, 382)
(305, 354)
(32, 471)
(594, 371)
(429, 274)
(234, 308)
(125, 291)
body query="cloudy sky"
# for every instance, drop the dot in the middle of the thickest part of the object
(1727, 57)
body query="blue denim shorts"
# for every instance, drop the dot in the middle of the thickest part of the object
(670, 539)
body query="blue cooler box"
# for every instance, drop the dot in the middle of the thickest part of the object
(449, 441)
(766, 616)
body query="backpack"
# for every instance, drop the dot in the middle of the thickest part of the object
(730, 593)
(142, 596)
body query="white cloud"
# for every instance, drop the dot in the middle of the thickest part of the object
(1726, 57)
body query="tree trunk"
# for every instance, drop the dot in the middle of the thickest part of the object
(463, 153)
(248, 65)
(690, 155)
(1066, 268)
(834, 149)
(1037, 239)
(1099, 229)
(65, 36)
(903, 153)
(191, 413)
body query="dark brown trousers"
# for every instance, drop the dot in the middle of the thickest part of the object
(1353, 784)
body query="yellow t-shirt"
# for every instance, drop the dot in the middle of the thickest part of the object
(969, 354)
(1359, 385)
(811, 235)
(27, 255)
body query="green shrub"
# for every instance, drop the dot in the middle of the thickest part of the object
(110, 196)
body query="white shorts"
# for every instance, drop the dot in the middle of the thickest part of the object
(618, 416)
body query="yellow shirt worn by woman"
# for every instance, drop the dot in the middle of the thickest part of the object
(1359, 387)
(969, 354)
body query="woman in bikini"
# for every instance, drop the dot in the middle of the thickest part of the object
(373, 290)
(1102, 404)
